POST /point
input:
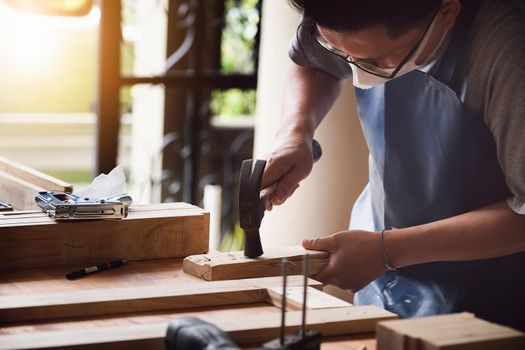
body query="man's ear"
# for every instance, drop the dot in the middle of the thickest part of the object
(449, 13)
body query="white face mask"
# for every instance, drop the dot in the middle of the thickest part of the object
(365, 80)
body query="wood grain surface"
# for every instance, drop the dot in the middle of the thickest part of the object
(447, 332)
(250, 316)
(245, 326)
(20, 184)
(45, 293)
(33, 176)
(164, 231)
(218, 266)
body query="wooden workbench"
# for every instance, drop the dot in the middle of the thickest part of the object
(231, 311)
(131, 306)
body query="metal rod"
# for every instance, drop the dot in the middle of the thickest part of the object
(283, 299)
(305, 293)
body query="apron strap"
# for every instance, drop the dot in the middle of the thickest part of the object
(447, 66)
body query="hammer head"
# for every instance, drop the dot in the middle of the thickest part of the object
(251, 206)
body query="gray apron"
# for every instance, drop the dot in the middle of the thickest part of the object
(431, 159)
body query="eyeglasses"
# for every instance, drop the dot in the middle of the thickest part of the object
(364, 65)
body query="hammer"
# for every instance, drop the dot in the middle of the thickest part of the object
(252, 201)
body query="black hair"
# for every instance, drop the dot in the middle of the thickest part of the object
(351, 15)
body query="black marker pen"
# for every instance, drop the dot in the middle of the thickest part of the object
(89, 270)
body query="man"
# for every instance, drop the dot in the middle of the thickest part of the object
(440, 88)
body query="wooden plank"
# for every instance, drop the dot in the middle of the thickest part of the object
(360, 341)
(19, 184)
(33, 176)
(17, 192)
(447, 332)
(110, 301)
(162, 206)
(316, 299)
(25, 218)
(234, 265)
(140, 273)
(134, 211)
(254, 327)
(157, 280)
(37, 242)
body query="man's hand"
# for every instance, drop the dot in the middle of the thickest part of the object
(289, 163)
(355, 258)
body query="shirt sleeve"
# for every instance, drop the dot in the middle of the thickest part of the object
(505, 100)
(306, 52)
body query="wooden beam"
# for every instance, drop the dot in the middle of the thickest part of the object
(112, 301)
(19, 193)
(243, 328)
(35, 177)
(447, 332)
(234, 265)
(32, 240)
(20, 184)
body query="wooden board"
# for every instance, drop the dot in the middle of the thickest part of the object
(244, 327)
(32, 239)
(33, 176)
(19, 184)
(447, 332)
(155, 288)
(19, 193)
(343, 342)
(42, 294)
(234, 265)
(111, 301)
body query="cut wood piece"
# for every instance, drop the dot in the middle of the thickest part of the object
(447, 332)
(35, 177)
(19, 184)
(316, 299)
(233, 265)
(17, 192)
(111, 301)
(38, 241)
(248, 329)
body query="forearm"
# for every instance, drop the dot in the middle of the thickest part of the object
(309, 95)
(484, 233)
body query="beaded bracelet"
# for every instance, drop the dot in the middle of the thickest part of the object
(386, 262)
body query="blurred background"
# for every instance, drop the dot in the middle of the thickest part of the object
(177, 92)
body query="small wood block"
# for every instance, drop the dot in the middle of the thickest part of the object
(162, 231)
(447, 332)
(234, 265)
(244, 328)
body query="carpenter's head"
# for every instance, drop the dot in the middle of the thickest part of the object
(380, 33)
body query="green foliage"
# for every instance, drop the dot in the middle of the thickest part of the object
(238, 36)
(238, 42)
(233, 102)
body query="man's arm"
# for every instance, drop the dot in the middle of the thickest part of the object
(309, 95)
(484, 233)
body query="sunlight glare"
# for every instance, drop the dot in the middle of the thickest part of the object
(33, 41)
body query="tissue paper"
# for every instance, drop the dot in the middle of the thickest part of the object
(104, 186)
